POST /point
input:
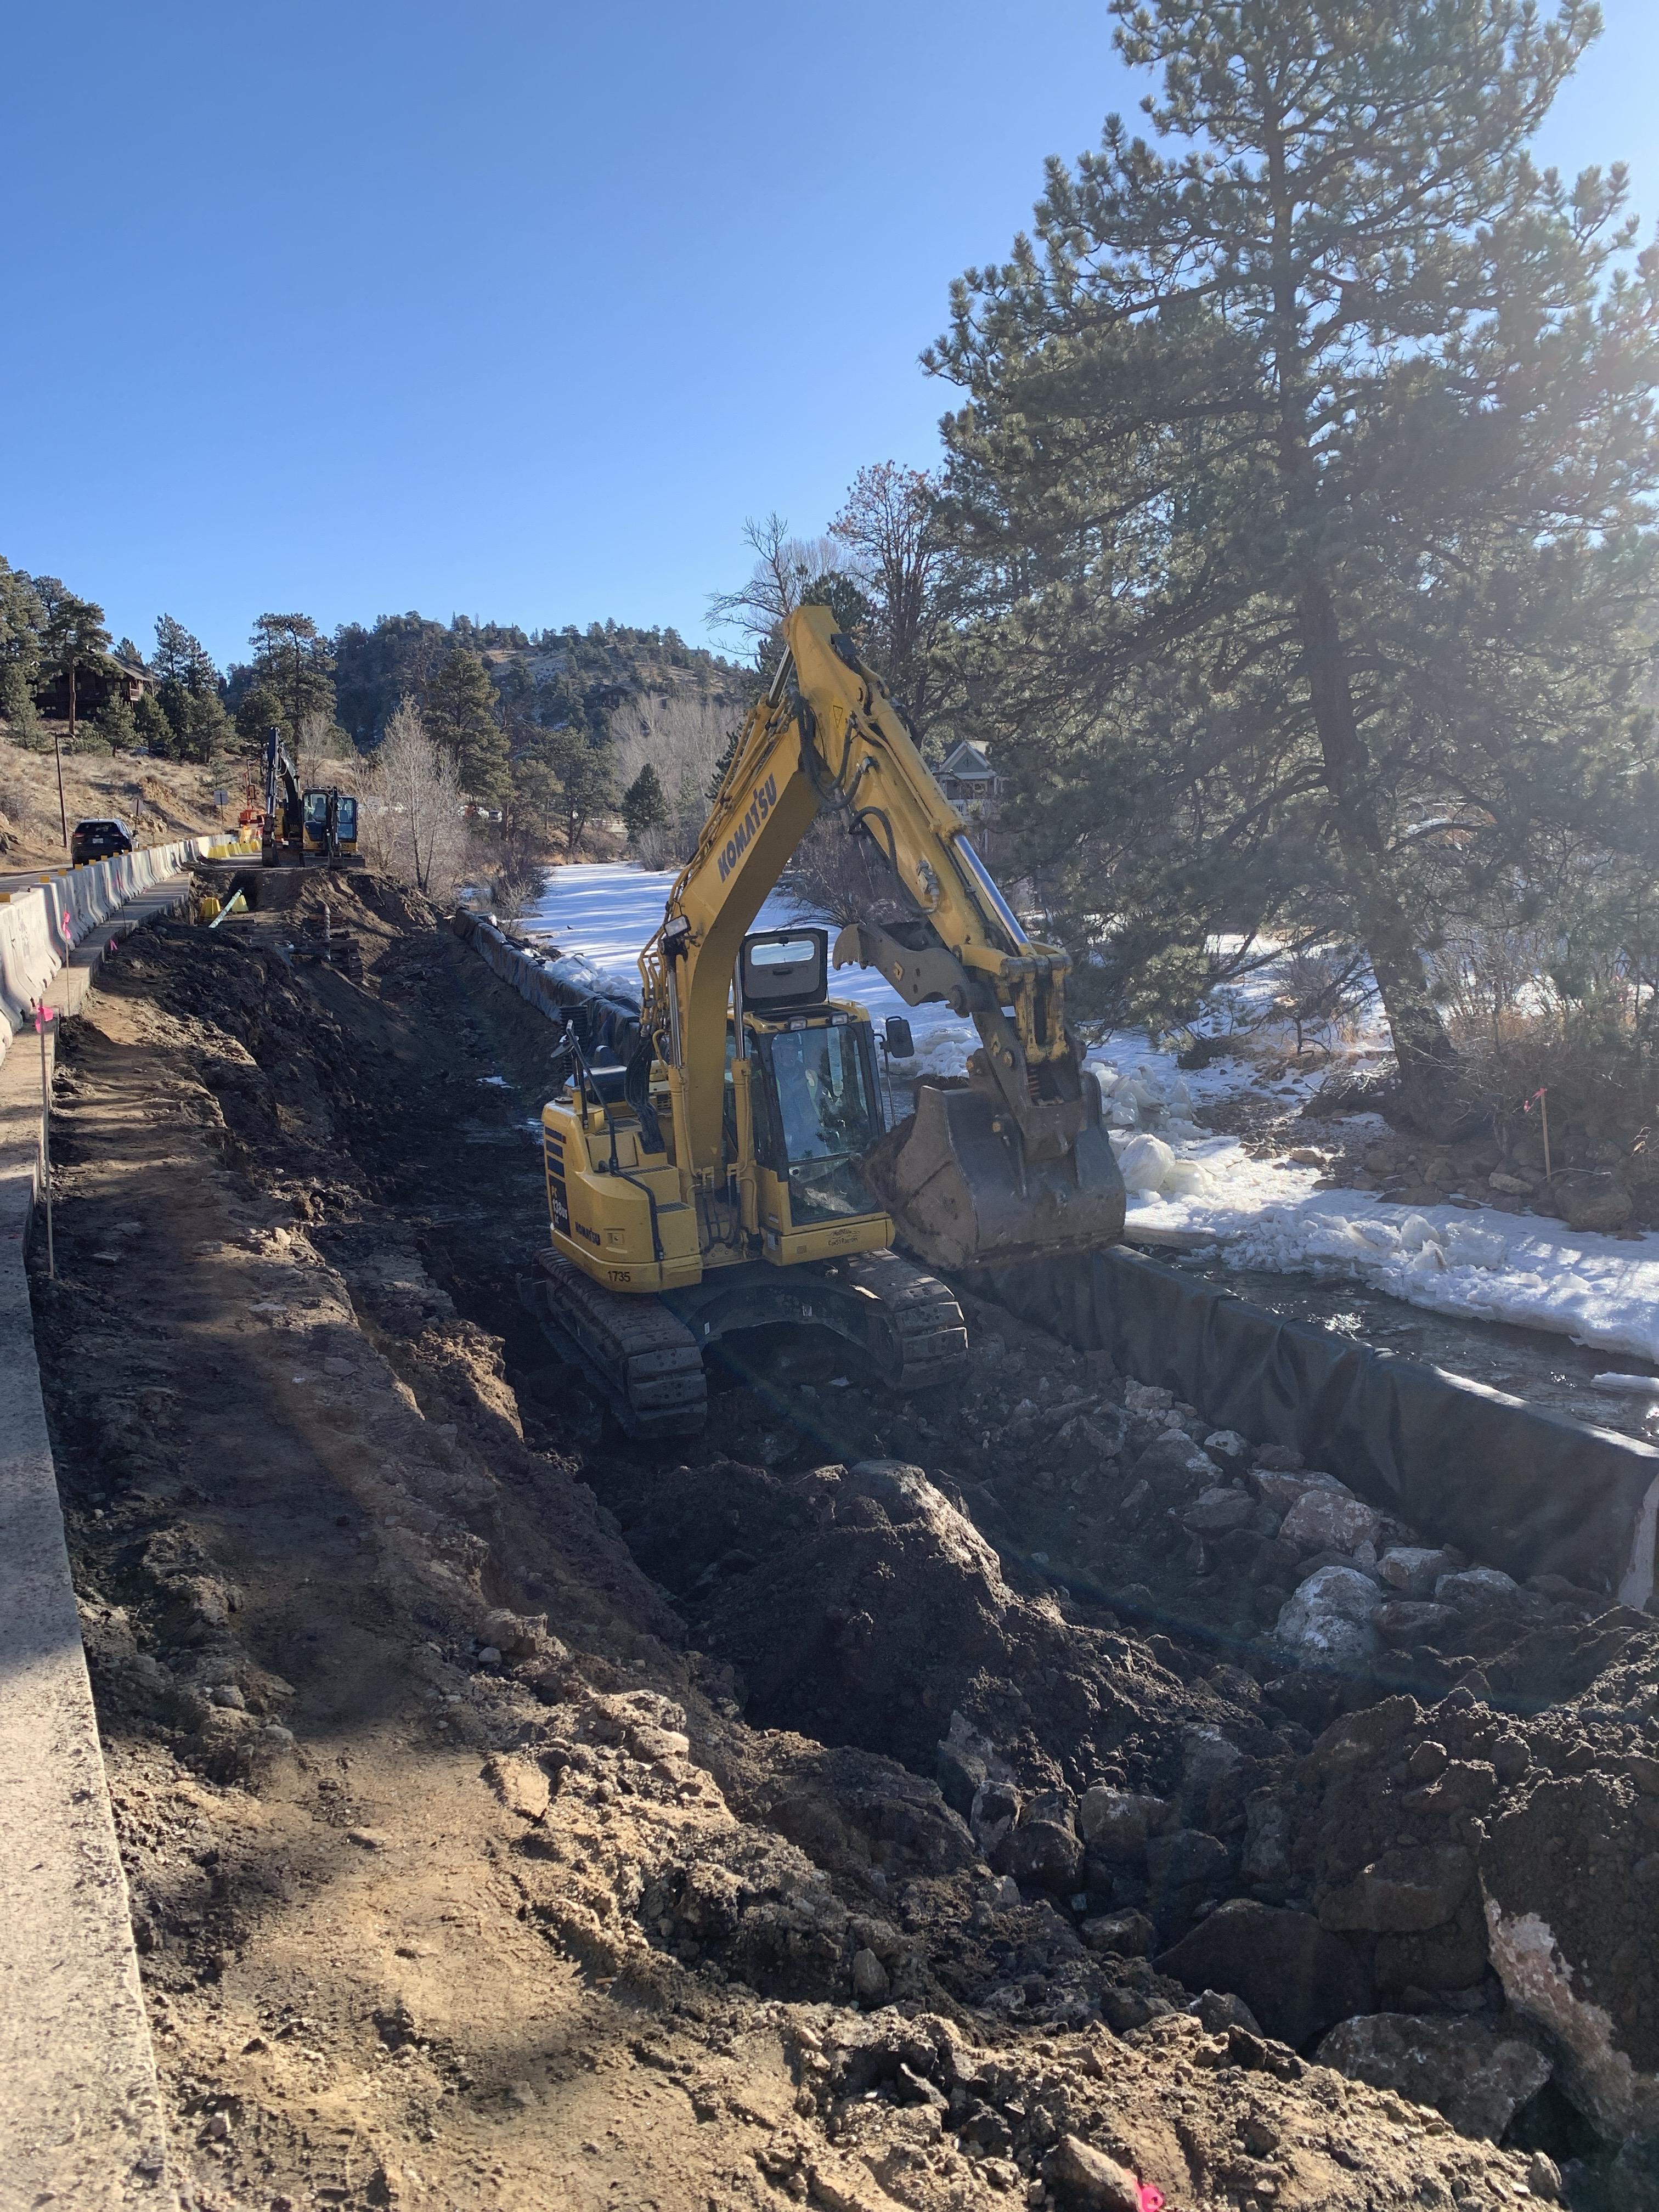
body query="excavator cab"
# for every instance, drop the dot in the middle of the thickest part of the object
(822, 1113)
(316, 822)
(330, 824)
(815, 1107)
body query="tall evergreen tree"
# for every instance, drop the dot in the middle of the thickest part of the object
(460, 714)
(644, 804)
(292, 658)
(188, 691)
(257, 711)
(1303, 469)
(73, 638)
(22, 621)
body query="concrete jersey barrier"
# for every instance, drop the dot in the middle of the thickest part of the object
(39, 928)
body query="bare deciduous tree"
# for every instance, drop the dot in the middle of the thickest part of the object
(683, 735)
(414, 827)
(784, 568)
(888, 530)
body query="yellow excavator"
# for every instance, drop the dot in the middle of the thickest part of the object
(320, 824)
(729, 1169)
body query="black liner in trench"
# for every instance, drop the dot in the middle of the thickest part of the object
(1531, 1491)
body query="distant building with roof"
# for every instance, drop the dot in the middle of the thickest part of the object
(111, 675)
(969, 781)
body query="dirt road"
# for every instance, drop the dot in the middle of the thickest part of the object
(517, 1818)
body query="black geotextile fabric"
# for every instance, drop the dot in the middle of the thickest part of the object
(1530, 1491)
(603, 1010)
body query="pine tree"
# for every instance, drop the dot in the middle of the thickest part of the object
(460, 714)
(644, 804)
(586, 767)
(258, 712)
(22, 621)
(188, 692)
(1302, 472)
(73, 637)
(292, 658)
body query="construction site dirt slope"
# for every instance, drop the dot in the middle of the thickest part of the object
(873, 1804)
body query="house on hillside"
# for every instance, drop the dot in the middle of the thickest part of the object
(969, 782)
(112, 675)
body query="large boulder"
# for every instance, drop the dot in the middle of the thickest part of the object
(1479, 1589)
(1450, 1957)
(1175, 1467)
(1478, 2073)
(1326, 1620)
(1216, 1510)
(1594, 1203)
(1412, 1570)
(1329, 1520)
(1569, 1872)
(1116, 1823)
(1043, 1851)
(1282, 1487)
(1083, 2175)
(1188, 1859)
(1130, 1935)
(1407, 1890)
(1412, 1621)
(1296, 1978)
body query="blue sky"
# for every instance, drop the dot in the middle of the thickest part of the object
(518, 310)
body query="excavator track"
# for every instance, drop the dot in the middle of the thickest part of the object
(925, 1336)
(646, 1363)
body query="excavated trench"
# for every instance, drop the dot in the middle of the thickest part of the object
(1059, 1595)
(1061, 1605)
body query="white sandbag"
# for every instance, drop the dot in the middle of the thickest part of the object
(1184, 1179)
(1144, 1162)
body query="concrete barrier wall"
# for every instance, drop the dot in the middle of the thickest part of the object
(39, 928)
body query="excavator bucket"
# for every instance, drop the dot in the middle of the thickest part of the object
(960, 1197)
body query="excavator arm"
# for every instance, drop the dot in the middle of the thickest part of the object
(1017, 1164)
(282, 810)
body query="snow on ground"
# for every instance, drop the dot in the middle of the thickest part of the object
(1199, 1190)
(1474, 1262)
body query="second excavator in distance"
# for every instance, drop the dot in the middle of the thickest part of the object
(730, 1168)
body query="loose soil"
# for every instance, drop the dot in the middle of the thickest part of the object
(516, 1816)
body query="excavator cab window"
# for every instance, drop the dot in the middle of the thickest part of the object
(824, 1117)
(783, 969)
(347, 816)
(316, 817)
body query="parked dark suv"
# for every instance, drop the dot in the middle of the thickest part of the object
(95, 840)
